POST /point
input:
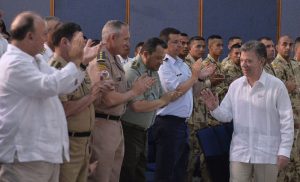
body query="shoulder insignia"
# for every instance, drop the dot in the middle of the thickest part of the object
(101, 59)
(135, 64)
(56, 64)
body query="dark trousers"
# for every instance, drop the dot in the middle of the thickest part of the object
(172, 148)
(135, 161)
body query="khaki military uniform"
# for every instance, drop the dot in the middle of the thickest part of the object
(219, 89)
(224, 61)
(135, 124)
(289, 70)
(269, 69)
(108, 140)
(80, 126)
(231, 71)
(196, 122)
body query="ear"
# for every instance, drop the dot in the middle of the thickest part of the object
(276, 48)
(263, 61)
(145, 55)
(64, 41)
(30, 35)
(114, 36)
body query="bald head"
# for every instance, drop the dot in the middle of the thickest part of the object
(23, 23)
(28, 32)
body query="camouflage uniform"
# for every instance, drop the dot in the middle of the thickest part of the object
(196, 122)
(231, 72)
(269, 69)
(224, 61)
(286, 70)
(219, 89)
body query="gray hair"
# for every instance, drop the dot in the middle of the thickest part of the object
(256, 46)
(112, 27)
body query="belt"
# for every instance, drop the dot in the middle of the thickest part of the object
(134, 126)
(80, 134)
(175, 118)
(107, 116)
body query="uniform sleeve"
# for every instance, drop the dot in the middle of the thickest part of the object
(131, 75)
(168, 78)
(24, 78)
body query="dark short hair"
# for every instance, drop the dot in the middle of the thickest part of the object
(256, 46)
(20, 31)
(164, 34)
(297, 40)
(264, 38)
(234, 37)
(196, 38)
(235, 46)
(214, 37)
(138, 45)
(66, 30)
(184, 34)
(3, 28)
(151, 44)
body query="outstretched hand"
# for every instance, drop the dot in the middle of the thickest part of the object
(209, 99)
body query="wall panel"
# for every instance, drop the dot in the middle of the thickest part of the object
(290, 18)
(13, 7)
(148, 18)
(91, 14)
(248, 19)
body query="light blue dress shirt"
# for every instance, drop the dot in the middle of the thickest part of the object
(172, 73)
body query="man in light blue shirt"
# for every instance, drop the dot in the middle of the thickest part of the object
(170, 129)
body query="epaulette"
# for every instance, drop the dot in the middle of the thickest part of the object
(101, 59)
(56, 64)
(135, 64)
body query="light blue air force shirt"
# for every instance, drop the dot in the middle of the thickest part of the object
(172, 73)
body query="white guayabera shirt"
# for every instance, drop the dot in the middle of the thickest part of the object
(262, 117)
(33, 124)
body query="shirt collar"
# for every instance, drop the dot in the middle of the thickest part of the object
(190, 57)
(280, 58)
(172, 60)
(142, 65)
(59, 59)
(211, 58)
(262, 79)
(25, 55)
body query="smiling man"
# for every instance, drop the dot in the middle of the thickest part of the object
(259, 105)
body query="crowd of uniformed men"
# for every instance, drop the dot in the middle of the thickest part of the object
(97, 129)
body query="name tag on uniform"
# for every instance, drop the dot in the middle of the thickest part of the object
(179, 74)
